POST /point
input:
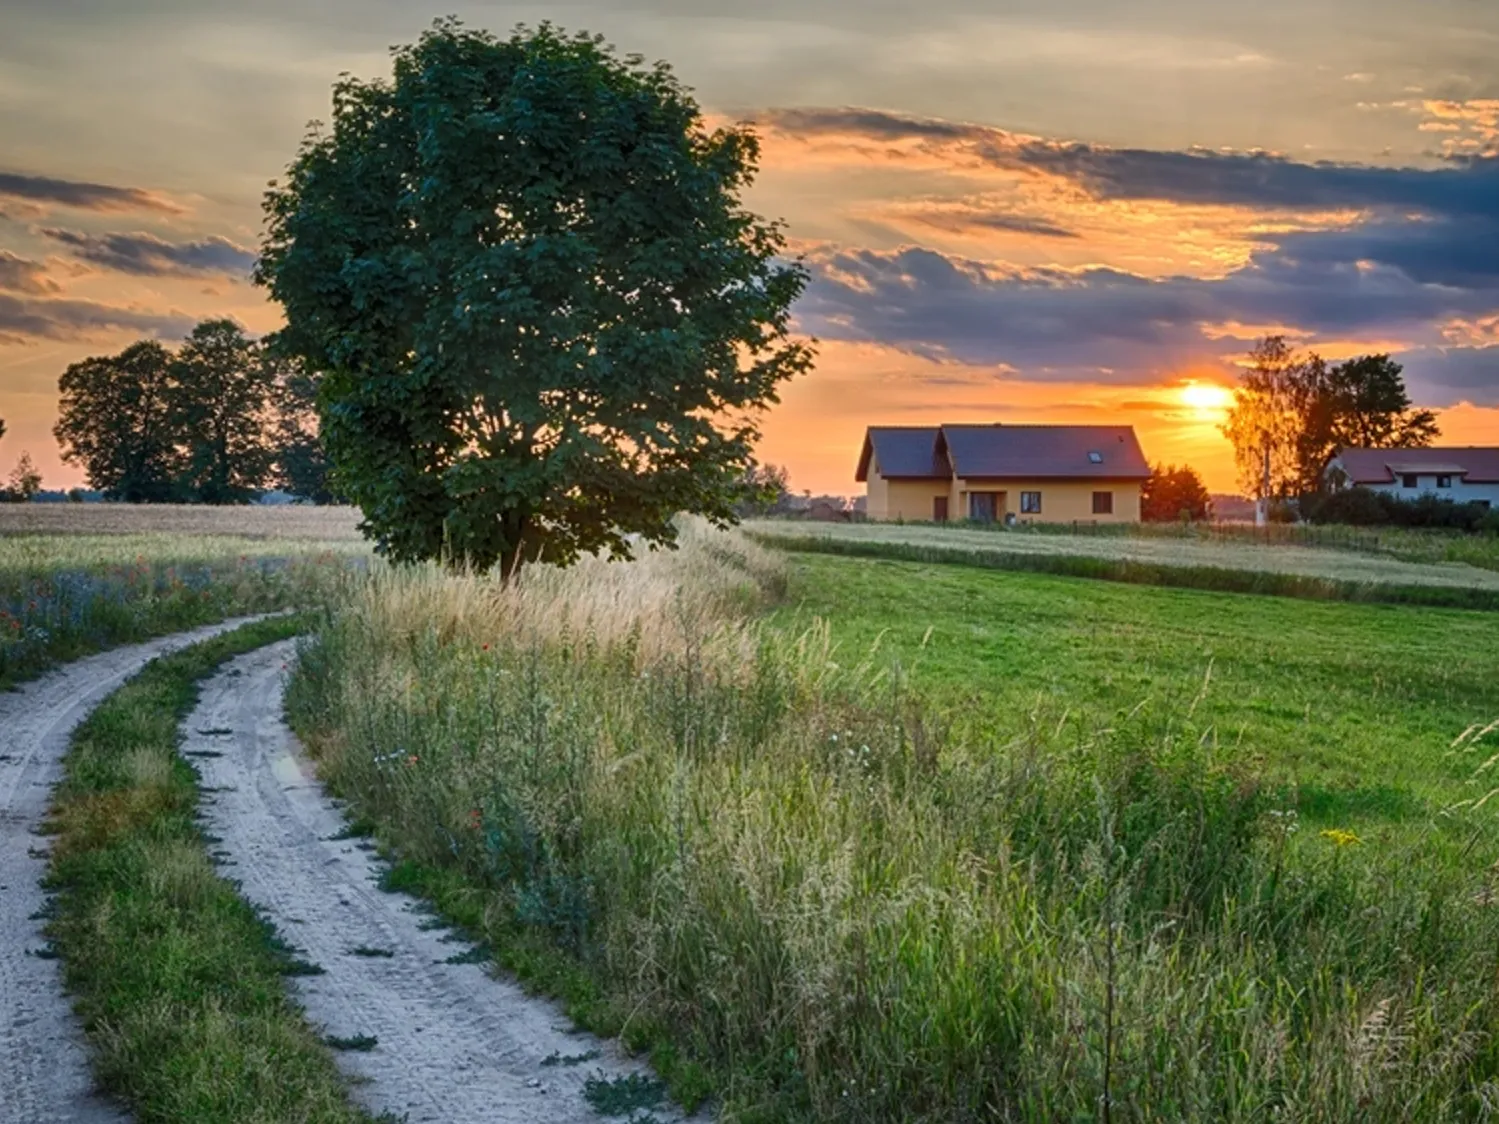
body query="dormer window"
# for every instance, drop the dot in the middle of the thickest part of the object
(1095, 457)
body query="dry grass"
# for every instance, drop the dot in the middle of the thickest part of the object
(279, 522)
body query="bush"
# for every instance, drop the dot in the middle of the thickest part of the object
(1365, 507)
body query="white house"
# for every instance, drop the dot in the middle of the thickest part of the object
(1463, 474)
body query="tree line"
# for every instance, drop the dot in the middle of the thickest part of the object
(1294, 411)
(220, 420)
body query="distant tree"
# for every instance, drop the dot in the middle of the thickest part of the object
(1361, 403)
(2, 427)
(118, 420)
(1293, 412)
(222, 402)
(25, 480)
(1172, 493)
(764, 490)
(1264, 422)
(543, 320)
(301, 464)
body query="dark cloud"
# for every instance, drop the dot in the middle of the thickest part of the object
(972, 222)
(18, 275)
(22, 319)
(145, 255)
(83, 196)
(1449, 375)
(1053, 325)
(1248, 179)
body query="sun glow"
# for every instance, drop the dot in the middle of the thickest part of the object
(1206, 398)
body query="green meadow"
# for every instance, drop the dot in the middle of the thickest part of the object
(849, 839)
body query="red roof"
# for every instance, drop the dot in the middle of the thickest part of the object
(1038, 452)
(1475, 464)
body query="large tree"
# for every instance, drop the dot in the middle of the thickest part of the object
(119, 422)
(222, 395)
(301, 463)
(541, 316)
(1292, 412)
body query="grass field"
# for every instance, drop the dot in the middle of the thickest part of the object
(938, 843)
(1233, 566)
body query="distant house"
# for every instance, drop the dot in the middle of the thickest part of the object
(1463, 474)
(1007, 473)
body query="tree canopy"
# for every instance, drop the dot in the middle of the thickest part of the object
(541, 318)
(1172, 493)
(209, 423)
(1292, 412)
(117, 419)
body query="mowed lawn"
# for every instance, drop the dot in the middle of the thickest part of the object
(1355, 705)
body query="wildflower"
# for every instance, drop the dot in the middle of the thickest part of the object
(475, 818)
(413, 759)
(483, 647)
(1341, 838)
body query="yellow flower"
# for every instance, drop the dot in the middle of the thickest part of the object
(1340, 837)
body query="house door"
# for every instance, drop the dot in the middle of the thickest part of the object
(939, 509)
(983, 507)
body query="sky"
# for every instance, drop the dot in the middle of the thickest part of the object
(1026, 211)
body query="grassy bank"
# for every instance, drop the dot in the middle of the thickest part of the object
(834, 887)
(1284, 571)
(179, 984)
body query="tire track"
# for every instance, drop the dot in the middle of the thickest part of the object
(453, 1042)
(44, 1072)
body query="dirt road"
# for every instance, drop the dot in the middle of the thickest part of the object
(44, 1077)
(451, 1043)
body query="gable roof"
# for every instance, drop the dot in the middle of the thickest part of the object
(902, 453)
(1034, 452)
(1476, 464)
(1045, 451)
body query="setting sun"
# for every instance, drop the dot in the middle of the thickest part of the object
(1206, 397)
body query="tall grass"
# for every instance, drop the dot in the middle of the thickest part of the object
(772, 858)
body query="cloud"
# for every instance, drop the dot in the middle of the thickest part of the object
(145, 255)
(1105, 324)
(1449, 375)
(22, 319)
(83, 196)
(18, 275)
(1258, 180)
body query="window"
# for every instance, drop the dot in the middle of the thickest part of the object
(939, 509)
(1444, 481)
(1095, 457)
(1103, 503)
(983, 507)
(1409, 480)
(1030, 503)
(1485, 504)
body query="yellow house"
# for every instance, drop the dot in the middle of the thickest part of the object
(1003, 473)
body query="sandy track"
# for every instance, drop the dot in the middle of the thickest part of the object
(454, 1043)
(44, 1074)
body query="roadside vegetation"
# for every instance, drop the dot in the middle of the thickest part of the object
(62, 597)
(934, 843)
(178, 983)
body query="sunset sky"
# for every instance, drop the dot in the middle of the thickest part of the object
(1071, 210)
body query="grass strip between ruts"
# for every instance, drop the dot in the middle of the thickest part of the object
(180, 984)
(1133, 572)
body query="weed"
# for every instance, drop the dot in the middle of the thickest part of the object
(623, 1096)
(359, 1043)
(372, 952)
(556, 1058)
